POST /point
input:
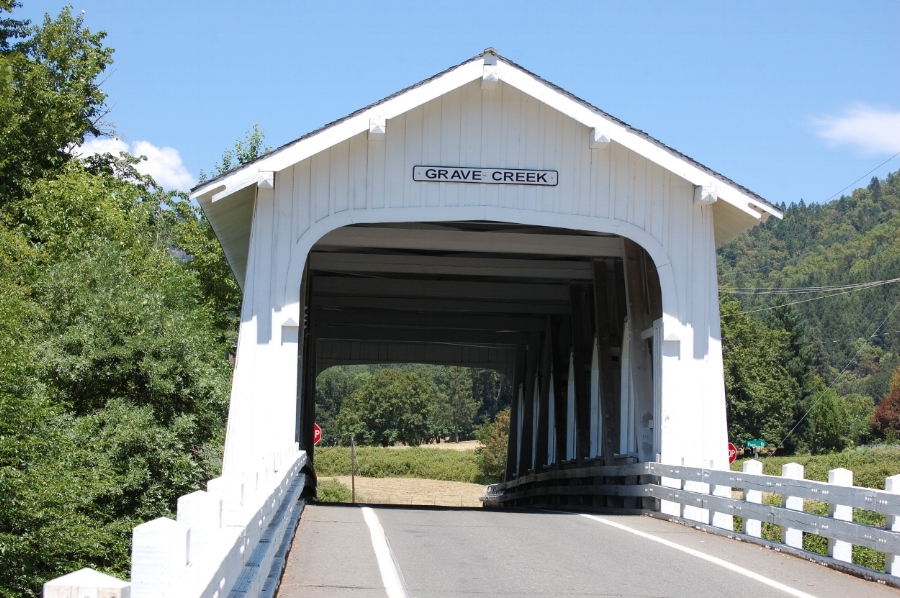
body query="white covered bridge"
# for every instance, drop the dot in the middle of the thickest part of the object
(483, 217)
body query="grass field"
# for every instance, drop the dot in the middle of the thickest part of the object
(870, 466)
(421, 463)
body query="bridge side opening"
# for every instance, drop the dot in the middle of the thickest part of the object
(572, 318)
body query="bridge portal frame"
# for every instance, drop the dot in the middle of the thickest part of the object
(486, 112)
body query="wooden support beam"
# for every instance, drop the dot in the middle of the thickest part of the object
(582, 345)
(419, 335)
(393, 319)
(560, 342)
(422, 304)
(449, 266)
(512, 454)
(640, 319)
(543, 429)
(440, 289)
(609, 405)
(532, 361)
(374, 237)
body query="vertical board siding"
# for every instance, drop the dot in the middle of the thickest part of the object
(502, 127)
(450, 142)
(414, 136)
(321, 184)
(339, 186)
(395, 173)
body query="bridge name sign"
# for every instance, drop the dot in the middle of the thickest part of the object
(485, 176)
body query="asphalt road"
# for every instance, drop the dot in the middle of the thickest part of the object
(487, 552)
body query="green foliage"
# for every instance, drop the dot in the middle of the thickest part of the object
(494, 438)
(480, 394)
(333, 491)
(333, 386)
(113, 371)
(457, 407)
(418, 462)
(761, 395)
(245, 150)
(390, 407)
(50, 97)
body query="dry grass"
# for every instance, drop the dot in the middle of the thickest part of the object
(411, 491)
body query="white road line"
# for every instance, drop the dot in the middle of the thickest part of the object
(391, 576)
(711, 559)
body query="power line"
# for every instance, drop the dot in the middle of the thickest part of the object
(807, 290)
(862, 177)
(838, 377)
(869, 286)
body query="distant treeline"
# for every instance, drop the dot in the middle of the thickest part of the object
(410, 404)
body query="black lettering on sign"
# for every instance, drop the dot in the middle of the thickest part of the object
(502, 176)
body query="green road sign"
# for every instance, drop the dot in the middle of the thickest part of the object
(756, 443)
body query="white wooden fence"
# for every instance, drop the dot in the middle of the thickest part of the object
(703, 497)
(229, 541)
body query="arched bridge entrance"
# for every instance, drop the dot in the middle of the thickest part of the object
(547, 307)
(485, 217)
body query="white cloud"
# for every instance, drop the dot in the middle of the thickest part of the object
(163, 163)
(873, 130)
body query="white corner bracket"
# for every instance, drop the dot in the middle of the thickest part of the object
(377, 127)
(265, 180)
(705, 194)
(599, 139)
(491, 74)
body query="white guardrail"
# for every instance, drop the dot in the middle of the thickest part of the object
(229, 541)
(702, 497)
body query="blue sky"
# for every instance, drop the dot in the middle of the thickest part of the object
(791, 99)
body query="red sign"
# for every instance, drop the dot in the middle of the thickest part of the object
(732, 452)
(317, 435)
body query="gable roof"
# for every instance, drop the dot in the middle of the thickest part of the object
(241, 181)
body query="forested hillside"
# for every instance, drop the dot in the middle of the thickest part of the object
(794, 318)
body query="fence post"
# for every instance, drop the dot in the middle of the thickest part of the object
(753, 527)
(159, 557)
(837, 549)
(892, 522)
(790, 536)
(86, 582)
(721, 520)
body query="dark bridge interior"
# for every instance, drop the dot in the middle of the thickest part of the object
(547, 307)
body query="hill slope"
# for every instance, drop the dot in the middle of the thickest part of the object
(850, 240)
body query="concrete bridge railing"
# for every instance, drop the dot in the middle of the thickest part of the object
(703, 497)
(229, 541)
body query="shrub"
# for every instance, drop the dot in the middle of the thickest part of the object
(333, 491)
(887, 416)
(494, 438)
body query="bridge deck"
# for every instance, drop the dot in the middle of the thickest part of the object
(458, 552)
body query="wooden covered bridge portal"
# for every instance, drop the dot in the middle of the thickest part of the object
(486, 218)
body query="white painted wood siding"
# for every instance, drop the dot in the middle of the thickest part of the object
(363, 180)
